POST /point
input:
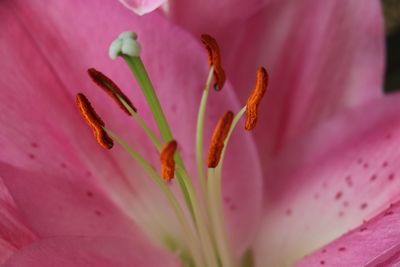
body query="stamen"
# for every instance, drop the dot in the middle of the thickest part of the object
(214, 59)
(217, 140)
(111, 89)
(255, 98)
(167, 160)
(94, 121)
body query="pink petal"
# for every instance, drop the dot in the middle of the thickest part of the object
(62, 52)
(89, 252)
(328, 182)
(53, 204)
(321, 56)
(373, 244)
(195, 15)
(14, 234)
(142, 7)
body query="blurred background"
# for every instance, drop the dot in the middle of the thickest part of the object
(392, 23)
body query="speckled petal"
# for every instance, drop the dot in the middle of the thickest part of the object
(330, 181)
(376, 243)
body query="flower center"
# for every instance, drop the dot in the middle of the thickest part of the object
(200, 216)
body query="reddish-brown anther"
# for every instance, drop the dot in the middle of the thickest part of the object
(214, 59)
(167, 160)
(111, 89)
(94, 121)
(218, 138)
(255, 98)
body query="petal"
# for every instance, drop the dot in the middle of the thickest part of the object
(52, 204)
(321, 56)
(87, 252)
(328, 182)
(142, 7)
(62, 52)
(14, 234)
(195, 14)
(375, 243)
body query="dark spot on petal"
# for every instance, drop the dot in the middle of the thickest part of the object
(89, 193)
(88, 173)
(232, 207)
(63, 165)
(324, 250)
(373, 177)
(362, 229)
(366, 165)
(34, 144)
(31, 156)
(385, 164)
(322, 262)
(338, 195)
(98, 213)
(391, 177)
(341, 214)
(345, 204)
(227, 199)
(359, 160)
(349, 181)
(342, 249)
(363, 206)
(316, 196)
(288, 212)
(388, 136)
(389, 212)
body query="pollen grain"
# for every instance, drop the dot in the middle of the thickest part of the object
(167, 160)
(214, 59)
(94, 121)
(218, 138)
(255, 98)
(111, 89)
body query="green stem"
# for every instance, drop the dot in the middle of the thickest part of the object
(137, 68)
(203, 234)
(235, 121)
(217, 219)
(205, 237)
(190, 239)
(200, 134)
(140, 73)
(142, 124)
(215, 196)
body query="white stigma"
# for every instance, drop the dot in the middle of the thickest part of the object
(125, 44)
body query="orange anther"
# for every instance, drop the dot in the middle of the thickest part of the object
(111, 89)
(214, 59)
(94, 121)
(167, 160)
(218, 138)
(255, 98)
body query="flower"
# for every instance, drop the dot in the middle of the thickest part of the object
(68, 202)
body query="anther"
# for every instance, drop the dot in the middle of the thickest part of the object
(255, 98)
(214, 59)
(94, 121)
(218, 138)
(111, 89)
(167, 160)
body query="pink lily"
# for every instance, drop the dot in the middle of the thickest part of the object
(70, 203)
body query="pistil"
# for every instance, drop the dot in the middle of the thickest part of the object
(206, 241)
